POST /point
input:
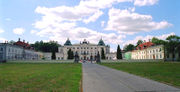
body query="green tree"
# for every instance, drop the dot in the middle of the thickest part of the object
(139, 42)
(11, 42)
(102, 54)
(53, 55)
(158, 41)
(172, 45)
(51, 46)
(119, 54)
(70, 54)
(129, 47)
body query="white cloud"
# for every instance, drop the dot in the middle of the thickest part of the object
(33, 31)
(8, 19)
(100, 4)
(69, 30)
(18, 31)
(58, 23)
(87, 11)
(94, 17)
(102, 23)
(2, 39)
(129, 22)
(112, 50)
(145, 2)
(146, 38)
(1, 31)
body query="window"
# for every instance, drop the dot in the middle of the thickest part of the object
(1, 49)
(160, 56)
(77, 47)
(156, 56)
(87, 48)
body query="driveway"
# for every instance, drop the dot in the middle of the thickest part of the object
(98, 78)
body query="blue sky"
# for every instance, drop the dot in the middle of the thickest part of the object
(116, 21)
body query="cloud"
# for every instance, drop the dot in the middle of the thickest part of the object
(1, 31)
(129, 22)
(59, 22)
(146, 38)
(8, 19)
(2, 39)
(102, 23)
(18, 31)
(86, 11)
(33, 31)
(94, 17)
(145, 2)
(78, 34)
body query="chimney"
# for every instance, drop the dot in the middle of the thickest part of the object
(24, 41)
(19, 39)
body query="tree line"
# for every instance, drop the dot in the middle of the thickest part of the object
(51, 46)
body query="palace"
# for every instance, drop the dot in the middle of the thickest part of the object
(85, 50)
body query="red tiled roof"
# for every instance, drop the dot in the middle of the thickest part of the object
(144, 45)
(22, 44)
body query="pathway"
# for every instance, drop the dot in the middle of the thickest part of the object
(98, 78)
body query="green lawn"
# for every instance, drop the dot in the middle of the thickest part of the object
(18, 77)
(165, 72)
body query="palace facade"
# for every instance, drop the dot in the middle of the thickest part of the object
(85, 50)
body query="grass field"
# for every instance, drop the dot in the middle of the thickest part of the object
(40, 77)
(165, 72)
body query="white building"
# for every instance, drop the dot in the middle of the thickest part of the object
(14, 52)
(153, 52)
(85, 50)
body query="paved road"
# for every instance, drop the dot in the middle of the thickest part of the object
(97, 78)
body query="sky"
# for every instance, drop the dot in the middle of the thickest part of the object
(115, 21)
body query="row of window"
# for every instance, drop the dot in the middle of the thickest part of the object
(150, 51)
(81, 48)
(157, 56)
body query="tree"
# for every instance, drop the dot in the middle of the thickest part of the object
(129, 47)
(70, 54)
(11, 42)
(119, 54)
(102, 54)
(53, 55)
(172, 45)
(139, 42)
(158, 41)
(46, 46)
